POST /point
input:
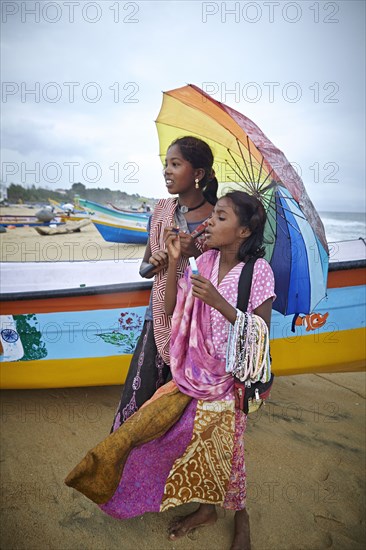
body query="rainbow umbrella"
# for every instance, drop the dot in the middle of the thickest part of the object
(246, 159)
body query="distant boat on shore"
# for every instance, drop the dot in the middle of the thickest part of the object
(116, 231)
(22, 221)
(62, 229)
(130, 211)
(126, 216)
(116, 226)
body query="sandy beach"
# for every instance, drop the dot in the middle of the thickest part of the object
(24, 244)
(304, 456)
(305, 453)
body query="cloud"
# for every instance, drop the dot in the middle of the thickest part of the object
(47, 138)
(128, 64)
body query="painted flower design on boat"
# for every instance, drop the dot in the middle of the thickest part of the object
(126, 336)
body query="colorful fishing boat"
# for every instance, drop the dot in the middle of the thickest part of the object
(116, 232)
(84, 333)
(141, 217)
(26, 221)
(129, 210)
(78, 216)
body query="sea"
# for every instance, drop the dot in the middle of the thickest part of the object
(344, 226)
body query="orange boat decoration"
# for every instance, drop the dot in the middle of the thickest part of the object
(311, 321)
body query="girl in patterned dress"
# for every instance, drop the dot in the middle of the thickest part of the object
(188, 173)
(187, 443)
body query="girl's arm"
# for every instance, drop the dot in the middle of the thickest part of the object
(159, 260)
(170, 297)
(265, 311)
(145, 261)
(147, 252)
(172, 242)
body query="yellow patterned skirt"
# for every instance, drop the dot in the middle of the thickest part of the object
(174, 450)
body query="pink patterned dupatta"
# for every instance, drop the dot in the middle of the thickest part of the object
(195, 369)
(163, 216)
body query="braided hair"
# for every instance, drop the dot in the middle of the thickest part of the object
(198, 153)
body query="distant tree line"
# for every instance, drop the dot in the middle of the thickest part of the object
(16, 193)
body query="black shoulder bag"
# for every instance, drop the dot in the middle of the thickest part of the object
(249, 398)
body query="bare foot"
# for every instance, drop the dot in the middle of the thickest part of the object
(181, 526)
(241, 539)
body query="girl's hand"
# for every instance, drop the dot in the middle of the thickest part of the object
(187, 245)
(204, 290)
(159, 260)
(172, 243)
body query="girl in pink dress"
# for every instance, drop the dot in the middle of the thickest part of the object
(187, 443)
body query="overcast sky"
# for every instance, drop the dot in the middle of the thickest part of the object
(83, 81)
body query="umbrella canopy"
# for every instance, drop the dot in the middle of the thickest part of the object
(245, 159)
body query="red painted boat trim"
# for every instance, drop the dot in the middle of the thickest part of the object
(92, 299)
(77, 303)
(347, 277)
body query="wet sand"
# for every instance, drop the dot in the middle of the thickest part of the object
(305, 456)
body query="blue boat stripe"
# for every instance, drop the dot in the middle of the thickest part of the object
(346, 308)
(117, 234)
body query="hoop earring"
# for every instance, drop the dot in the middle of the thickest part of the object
(197, 182)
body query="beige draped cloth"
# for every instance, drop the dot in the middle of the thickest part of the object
(98, 474)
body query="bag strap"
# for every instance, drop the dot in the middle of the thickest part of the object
(245, 283)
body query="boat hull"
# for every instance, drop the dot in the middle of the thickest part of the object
(114, 233)
(86, 337)
(112, 370)
(123, 217)
(26, 221)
